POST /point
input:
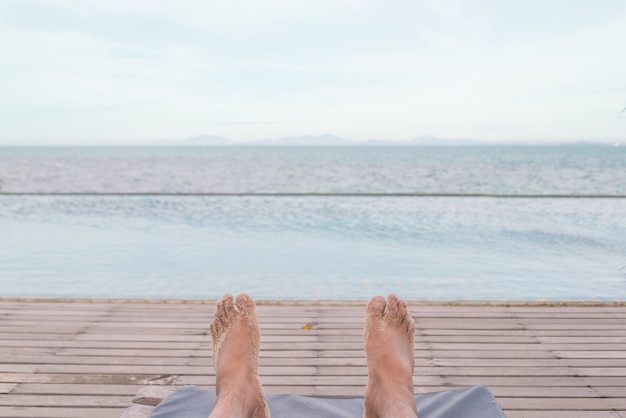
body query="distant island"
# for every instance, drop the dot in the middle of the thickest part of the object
(329, 140)
(313, 140)
(194, 141)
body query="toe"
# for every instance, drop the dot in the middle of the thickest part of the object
(403, 310)
(405, 316)
(229, 305)
(245, 303)
(392, 306)
(410, 326)
(220, 313)
(376, 307)
(215, 328)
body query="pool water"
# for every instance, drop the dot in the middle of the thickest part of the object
(312, 247)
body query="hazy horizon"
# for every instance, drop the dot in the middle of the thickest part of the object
(310, 141)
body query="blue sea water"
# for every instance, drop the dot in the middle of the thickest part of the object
(153, 243)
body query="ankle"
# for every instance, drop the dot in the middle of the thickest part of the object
(241, 399)
(395, 374)
(391, 405)
(389, 398)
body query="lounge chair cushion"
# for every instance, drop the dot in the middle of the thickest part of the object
(475, 402)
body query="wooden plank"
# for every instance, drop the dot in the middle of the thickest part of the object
(111, 360)
(556, 404)
(602, 354)
(169, 370)
(95, 378)
(46, 412)
(17, 368)
(309, 337)
(527, 347)
(601, 371)
(138, 352)
(137, 411)
(504, 354)
(543, 381)
(610, 392)
(542, 392)
(41, 400)
(488, 339)
(75, 389)
(606, 339)
(28, 336)
(65, 329)
(103, 344)
(532, 333)
(7, 387)
(10, 351)
(532, 362)
(575, 326)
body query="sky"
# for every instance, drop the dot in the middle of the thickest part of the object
(115, 72)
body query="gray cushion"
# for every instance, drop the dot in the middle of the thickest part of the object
(474, 402)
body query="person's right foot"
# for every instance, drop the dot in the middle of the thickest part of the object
(388, 334)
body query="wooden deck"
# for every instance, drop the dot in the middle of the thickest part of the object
(88, 359)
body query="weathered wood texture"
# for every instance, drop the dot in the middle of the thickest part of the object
(78, 359)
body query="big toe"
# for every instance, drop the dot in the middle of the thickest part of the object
(376, 308)
(245, 303)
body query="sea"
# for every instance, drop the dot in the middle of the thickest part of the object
(472, 223)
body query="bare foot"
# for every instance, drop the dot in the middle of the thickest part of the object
(236, 338)
(389, 349)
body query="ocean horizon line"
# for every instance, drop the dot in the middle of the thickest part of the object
(315, 142)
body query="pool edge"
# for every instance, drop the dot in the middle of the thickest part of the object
(324, 302)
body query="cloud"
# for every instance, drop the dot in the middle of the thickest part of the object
(139, 69)
(234, 18)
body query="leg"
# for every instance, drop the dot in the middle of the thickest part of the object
(389, 350)
(236, 337)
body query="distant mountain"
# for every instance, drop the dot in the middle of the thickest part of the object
(437, 141)
(588, 144)
(333, 140)
(308, 140)
(195, 141)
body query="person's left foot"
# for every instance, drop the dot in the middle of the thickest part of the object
(236, 338)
